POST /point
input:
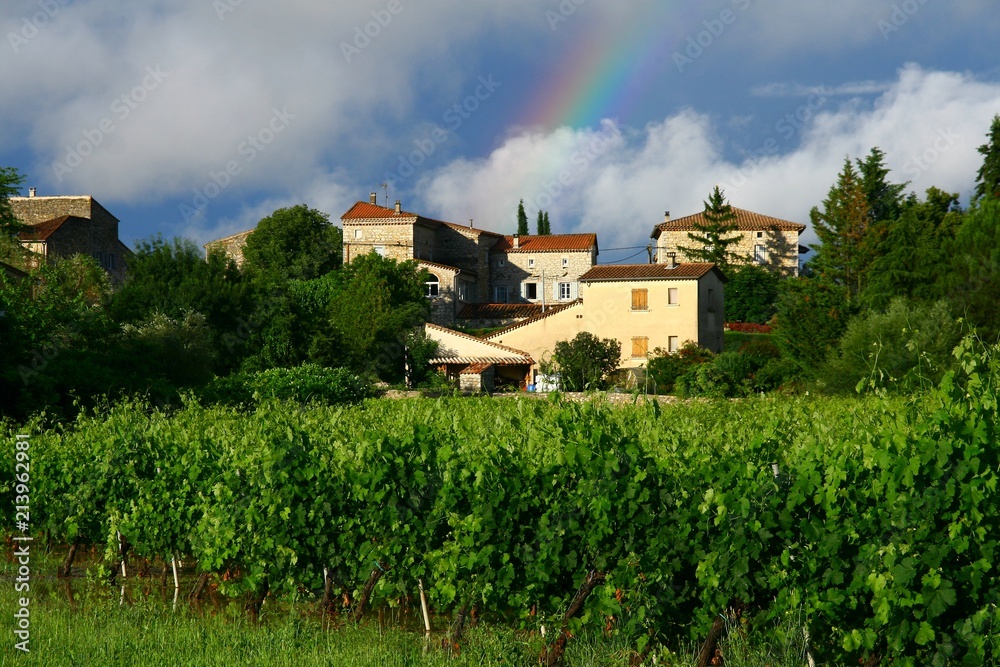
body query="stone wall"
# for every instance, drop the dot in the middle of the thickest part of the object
(33, 210)
(515, 269)
(232, 246)
(781, 248)
(363, 237)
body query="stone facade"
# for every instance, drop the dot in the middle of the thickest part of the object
(67, 226)
(541, 269)
(763, 240)
(232, 246)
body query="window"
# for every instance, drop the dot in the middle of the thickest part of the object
(640, 299)
(673, 297)
(640, 347)
(380, 250)
(565, 262)
(711, 301)
(433, 286)
(760, 254)
(463, 291)
(500, 262)
(357, 233)
(531, 291)
(500, 293)
(672, 344)
(760, 235)
(565, 291)
(531, 263)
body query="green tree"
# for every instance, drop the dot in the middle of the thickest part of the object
(586, 361)
(548, 225)
(522, 220)
(988, 177)
(540, 224)
(172, 278)
(885, 199)
(711, 238)
(10, 182)
(974, 280)
(812, 314)
(844, 252)
(751, 294)
(296, 243)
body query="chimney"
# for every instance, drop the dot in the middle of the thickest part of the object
(399, 208)
(472, 223)
(671, 260)
(373, 198)
(517, 241)
(31, 192)
(666, 217)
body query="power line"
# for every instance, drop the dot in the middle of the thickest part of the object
(619, 261)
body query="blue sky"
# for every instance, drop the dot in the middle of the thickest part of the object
(198, 117)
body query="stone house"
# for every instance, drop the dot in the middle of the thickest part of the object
(63, 226)
(232, 246)
(642, 306)
(541, 269)
(478, 365)
(763, 240)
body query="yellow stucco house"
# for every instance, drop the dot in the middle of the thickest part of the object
(642, 306)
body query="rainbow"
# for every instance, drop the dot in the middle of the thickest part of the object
(606, 74)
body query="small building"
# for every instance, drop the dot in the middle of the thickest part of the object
(231, 246)
(478, 365)
(642, 306)
(763, 240)
(63, 226)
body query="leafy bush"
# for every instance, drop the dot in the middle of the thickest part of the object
(751, 294)
(664, 368)
(586, 361)
(308, 383)
(757, 366)
(907, 347)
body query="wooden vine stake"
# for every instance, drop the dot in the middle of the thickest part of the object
(423, 608)
(554, 655)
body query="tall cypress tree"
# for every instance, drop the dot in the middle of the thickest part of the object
(540, 224)
(522, 220)
(548, 225)
(713, 237)
(988, 178)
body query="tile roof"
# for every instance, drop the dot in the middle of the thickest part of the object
(646, 272)
(476, 369)
(504, 311)
(13, 271)
(230, 237)
(43, 230)
(435, 265)
(547, 243)
(366, 210)
(549, 312)
(746, 221)
(519, 355)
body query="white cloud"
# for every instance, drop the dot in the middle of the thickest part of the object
(928, 123)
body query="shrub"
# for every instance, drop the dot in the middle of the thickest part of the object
(664, 368)
(308, 383)
(906, 347)
(586, 361)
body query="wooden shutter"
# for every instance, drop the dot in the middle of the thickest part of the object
(640, 299)
(640, 347)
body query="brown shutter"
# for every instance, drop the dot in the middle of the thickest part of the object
(639, 299)
(640, 347)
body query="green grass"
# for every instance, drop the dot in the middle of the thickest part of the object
(732, 341)
(95, 630)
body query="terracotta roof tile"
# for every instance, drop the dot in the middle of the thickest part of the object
(549, 312)
(519, 353)
(365, 211)
(547, 243)
(746, 221)
(611, 272)
(476, 369)
(504, 311)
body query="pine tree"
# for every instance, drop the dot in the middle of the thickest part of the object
(885, 199)
(842, 228)
(548, 225)
(988, 178)
(522, 220)
(10, 182)
(712, 238)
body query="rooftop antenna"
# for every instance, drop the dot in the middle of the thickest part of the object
(385, 186)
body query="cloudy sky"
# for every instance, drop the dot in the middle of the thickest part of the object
(198, 117)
